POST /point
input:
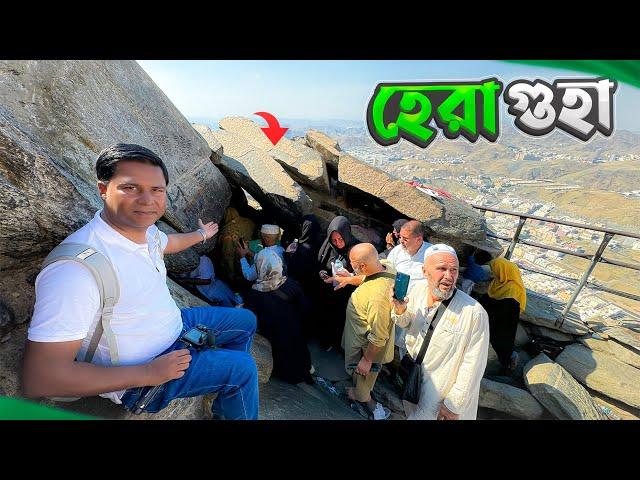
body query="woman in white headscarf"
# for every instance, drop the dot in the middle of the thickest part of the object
(280, 305)
(269, 267)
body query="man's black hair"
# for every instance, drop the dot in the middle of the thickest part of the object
(482, 257)
(111, 156)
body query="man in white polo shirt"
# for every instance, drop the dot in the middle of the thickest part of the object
(408, 257)
(146, 322)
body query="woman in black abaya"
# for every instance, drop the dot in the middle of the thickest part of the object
(280, 304)
(336, 246)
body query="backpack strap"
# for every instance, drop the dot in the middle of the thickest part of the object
(108, 286)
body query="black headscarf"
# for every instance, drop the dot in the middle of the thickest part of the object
(310, 234)
(328, 252)
(397, 225)
(301, 264)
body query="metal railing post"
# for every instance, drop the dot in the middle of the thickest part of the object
(514, 241)
(594, 261)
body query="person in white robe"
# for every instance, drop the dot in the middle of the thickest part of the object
(458, 346)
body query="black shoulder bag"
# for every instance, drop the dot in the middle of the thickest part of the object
(411, 370)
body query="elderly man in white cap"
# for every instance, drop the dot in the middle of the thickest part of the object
(457, 340)
(270, 235)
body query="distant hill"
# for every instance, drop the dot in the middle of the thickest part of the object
(615, 176)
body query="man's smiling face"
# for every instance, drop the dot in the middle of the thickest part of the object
(136, 195)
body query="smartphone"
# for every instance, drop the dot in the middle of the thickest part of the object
(401, 286)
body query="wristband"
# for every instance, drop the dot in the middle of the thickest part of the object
(203, 233)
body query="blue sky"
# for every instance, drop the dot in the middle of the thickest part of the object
(329, 89)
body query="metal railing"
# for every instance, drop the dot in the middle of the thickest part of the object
(594, 258)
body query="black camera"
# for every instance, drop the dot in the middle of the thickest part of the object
(198, 337)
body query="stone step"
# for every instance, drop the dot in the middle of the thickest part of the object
(559, 392)
(603, 373)
(508, 399)
(544, 312)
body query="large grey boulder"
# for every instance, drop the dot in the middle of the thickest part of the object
(508, 399)
(461, 245)
(367, 235)
(550, 333)
(558, 392)
(55, 117)
(99, 407)
(614, 409)
(259, 174)
(623, 335)
(446, 217)
(181, 262)
(70, 110)
(182, 297)
(261, 353)
(494, 367)
(326, 146)
(324, 217)
(622, 353)
(7, 320)
(544, 312)
(39, 204)
(602, 372)
(522, 337)
(326, 208)
(304, 164)
(11, 352)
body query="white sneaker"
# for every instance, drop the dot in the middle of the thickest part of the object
(381, 413)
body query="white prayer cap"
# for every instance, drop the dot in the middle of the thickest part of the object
(439, 248)
(270, 229)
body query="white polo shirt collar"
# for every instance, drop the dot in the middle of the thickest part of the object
(110, 235)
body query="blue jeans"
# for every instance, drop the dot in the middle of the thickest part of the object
(228, 369)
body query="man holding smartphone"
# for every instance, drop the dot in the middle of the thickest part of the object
(457, 342)
(408, 257)
(368, 332)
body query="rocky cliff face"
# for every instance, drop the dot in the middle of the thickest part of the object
(55, 117)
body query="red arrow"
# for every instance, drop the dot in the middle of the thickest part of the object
(274, 132)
